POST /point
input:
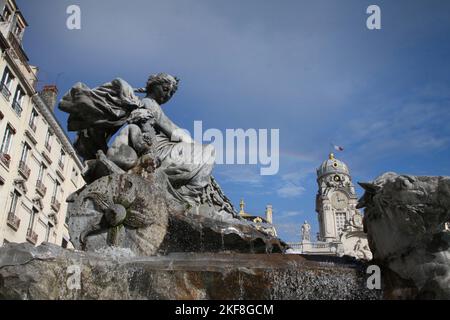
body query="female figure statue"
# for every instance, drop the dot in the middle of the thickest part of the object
(98, 114)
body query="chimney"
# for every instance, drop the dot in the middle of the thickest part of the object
(49, 94)
(269, 213)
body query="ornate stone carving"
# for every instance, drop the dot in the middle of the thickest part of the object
(404, 218)
(37, 202)
(143, 184)
(21, 186)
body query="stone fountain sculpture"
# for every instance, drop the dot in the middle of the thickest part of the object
(405, 219)
(149, 185)
(152, 222)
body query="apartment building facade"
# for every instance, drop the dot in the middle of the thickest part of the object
(38, 165)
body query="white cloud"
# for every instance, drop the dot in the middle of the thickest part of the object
(408, 126)
(290, 190)
(288, 214)
(298, 175)
(291, 184)
(239, 174)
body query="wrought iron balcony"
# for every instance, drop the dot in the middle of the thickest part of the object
(13, 221)
(32, 237)
(5, 91)
(24, 170)
(40, 188)
(17, 108)
(5, 158)
(56, 205)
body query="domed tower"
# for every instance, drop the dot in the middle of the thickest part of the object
(336, 199)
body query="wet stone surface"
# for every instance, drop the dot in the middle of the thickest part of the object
(129, 211)
(28, 272)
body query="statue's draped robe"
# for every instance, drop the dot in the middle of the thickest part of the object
(97, 114)
(187, 165)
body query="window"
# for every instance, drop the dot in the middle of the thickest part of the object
(64, 243)
(12, 220)
(41, 189)
(48, 140)
(41, 173)
(7, 140)
(25, 150)
(56, 189)
(6, 14)
(13, 205)
(5, 147)
(49, 230)
(18, 30)
(74, 175)
(24, 170)
(7, 79)
(62, 157)
(340, 221)
(18, 99)
(55, 204)
(33, 215)
(33, 117)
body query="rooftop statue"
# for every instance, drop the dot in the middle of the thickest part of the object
(125, 138)
(306, 232)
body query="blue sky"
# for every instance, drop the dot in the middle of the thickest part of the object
(309, 68)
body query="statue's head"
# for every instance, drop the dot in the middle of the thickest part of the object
(162, 87)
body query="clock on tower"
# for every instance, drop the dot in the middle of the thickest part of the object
(339, 200)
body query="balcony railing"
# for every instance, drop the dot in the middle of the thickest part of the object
(295, 246)
(5, 158)
(40, 188)
(17, 108)
(325, 245)
(18, 54)
(24, 170)
(13, 221)
(314, 245)
(32, 237)
(5, 91)
(15, 43)
(56, 205)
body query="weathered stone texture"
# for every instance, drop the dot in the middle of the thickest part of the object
(405, 220)
(27, 272)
